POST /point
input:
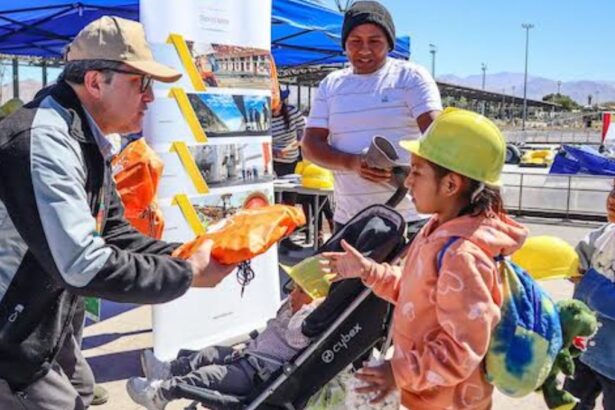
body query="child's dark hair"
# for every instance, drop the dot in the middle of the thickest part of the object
(485, 200)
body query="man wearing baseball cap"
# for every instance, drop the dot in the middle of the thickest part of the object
(376, 95)
(62, 230)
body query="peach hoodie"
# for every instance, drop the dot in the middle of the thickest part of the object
(443, 320)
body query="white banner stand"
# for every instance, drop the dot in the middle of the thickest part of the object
(204, 317)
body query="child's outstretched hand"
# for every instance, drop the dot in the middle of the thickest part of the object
(345, 265)
(378, 380)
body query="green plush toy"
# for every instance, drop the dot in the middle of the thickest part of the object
(579, 324)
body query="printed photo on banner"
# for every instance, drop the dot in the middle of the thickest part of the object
(230, 66)
(231, 115)
(213, 208)
(234, 164)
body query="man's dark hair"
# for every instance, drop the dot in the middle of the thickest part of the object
(74, 71)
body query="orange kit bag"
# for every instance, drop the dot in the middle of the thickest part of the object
(276, 99)
(246, 234)
(137, 170)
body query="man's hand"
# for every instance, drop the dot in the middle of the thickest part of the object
(315, 148)
(378, 379)
(345, 265)
(371, 174)
(206, 272)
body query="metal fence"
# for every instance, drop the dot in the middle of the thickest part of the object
(561, 196)
(554, 136)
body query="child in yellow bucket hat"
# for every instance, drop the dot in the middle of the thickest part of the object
(310, 278)
(226, 370)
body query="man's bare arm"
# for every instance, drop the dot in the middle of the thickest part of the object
(316, 148)
(424, 120)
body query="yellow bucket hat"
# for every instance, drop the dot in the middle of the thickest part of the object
(310, 277)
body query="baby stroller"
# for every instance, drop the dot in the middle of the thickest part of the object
(345, 327)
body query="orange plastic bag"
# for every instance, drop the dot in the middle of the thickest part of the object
(137, 170)
(246, 234)
(276, 99)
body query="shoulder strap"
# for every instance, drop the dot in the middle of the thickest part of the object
(442, 251)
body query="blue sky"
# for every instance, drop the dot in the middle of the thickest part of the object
(572, 39)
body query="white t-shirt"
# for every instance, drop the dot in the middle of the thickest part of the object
(355, 108)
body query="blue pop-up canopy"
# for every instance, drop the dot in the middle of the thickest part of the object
(305, 33)
(43, 27)
(301, 32)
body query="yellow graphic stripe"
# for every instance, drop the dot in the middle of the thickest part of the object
(184, 55)
(190, 214)
(186, 108)
(190, 166)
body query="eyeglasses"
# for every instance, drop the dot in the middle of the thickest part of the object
(146, 80)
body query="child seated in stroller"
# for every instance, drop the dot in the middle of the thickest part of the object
(228, 370)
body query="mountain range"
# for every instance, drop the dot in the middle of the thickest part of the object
(537, 87)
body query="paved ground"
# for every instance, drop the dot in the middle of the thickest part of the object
(113, 345)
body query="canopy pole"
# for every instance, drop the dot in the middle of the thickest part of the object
(44, 70)
(15, 78)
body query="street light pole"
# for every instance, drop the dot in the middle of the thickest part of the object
(527, 28)
(503, 103)
(433, 49)
(512, 106)
(483, 67)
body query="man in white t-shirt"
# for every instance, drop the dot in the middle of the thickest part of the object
(376, 95)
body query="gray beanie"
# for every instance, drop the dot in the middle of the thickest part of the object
(362, 12)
